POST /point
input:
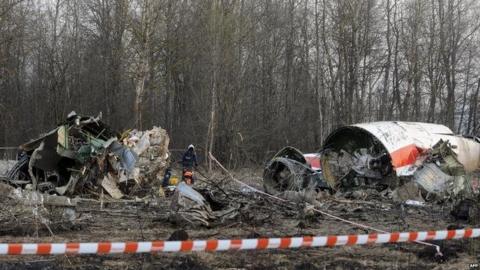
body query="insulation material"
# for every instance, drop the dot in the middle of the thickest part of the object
(152, 150)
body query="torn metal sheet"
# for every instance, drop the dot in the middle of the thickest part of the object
(31, 145)
(442, 174)
(432, 179)
(289, 170)
(45, 156)
(201, 208)
(79, 154)
(110, 185)
(394, 146)
(187, 191)
(189, 205)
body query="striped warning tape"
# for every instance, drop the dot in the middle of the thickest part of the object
(232, 244)
(364, 226)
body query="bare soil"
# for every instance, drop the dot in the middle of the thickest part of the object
(137, 221)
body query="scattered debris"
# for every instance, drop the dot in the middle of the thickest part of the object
(414, 203)
(467, 210)
(408, 191)
(31, 211)
(191, 206)
(374, 151)
(403, 157)
(83, 155)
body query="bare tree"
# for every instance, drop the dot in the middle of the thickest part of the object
(240, 78)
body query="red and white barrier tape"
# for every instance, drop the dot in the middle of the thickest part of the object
(233, 244)
(368, 227)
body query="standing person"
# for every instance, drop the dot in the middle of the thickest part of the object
(189, 160)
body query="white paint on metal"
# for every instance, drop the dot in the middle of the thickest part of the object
(395, 135)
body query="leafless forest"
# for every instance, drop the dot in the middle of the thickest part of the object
(238, 77)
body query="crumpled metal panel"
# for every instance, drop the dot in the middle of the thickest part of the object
(396, 135)
(432, 179)
(45, 156)
(290, 170)
(190, 193)
(405, 140)
(32, 144)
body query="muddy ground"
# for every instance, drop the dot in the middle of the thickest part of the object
(137, 221)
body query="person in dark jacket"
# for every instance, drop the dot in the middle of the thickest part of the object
(189, 160)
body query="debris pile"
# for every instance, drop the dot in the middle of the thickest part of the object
(385, 152)
(442, 176)
(151, 147)
(405, 161)
(84, 156)
(191, 206)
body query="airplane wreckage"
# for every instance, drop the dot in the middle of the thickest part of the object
(82, 158)
(407, 161)
(84, 155)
